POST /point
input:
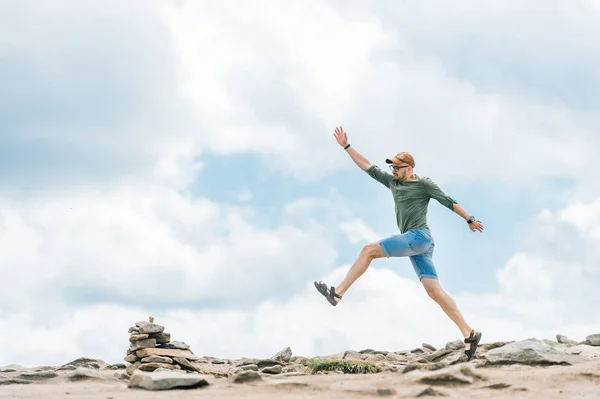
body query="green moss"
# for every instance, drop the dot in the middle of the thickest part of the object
(345, 366)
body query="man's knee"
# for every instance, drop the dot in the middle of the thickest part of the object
(373, 250)
(433, 289)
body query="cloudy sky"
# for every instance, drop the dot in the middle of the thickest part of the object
(177, 159)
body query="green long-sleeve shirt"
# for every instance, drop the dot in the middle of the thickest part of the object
(411, 198)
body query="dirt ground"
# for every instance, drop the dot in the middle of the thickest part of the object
(516, 381)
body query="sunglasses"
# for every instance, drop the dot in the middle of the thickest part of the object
(396, 167)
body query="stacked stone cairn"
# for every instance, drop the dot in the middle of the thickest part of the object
(151, 350)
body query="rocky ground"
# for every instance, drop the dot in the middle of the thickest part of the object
(157, 367)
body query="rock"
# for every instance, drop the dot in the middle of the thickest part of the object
(564, 340)
(133, 330)
(268, 363)
(132, 367)
(283, 356)
(131, 358)
(294, 368)
(593, 339)
(37, 376)
(185, 364)
(430, 347)
(499, 385)
(14, 381)
(277, 369)
(83, 362)
(148, 328)
(163, 338)
(82, 374)
(455, 357)
(154, 366)
(455, 345)
(437, 355)
(175, 345)
(116, 366)
(393, 357)
(166, 380)
(11, 368)
(157, 359)
(529, 352)
(218, 361)
(137, 337)
(584, 351)
(245, 367)
(144, 343)
(142, 353)
(246, 376)
(429, 392)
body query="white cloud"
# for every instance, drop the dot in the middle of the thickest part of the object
(283, 97)
(358, 232)
(147, 244)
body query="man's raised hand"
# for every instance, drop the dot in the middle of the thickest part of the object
(476, 225)
(340, 136)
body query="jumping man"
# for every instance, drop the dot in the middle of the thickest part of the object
(411, 195)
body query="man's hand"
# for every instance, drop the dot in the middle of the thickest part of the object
(340, 136)
(476, 225)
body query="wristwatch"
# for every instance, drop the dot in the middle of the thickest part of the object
(471, 219)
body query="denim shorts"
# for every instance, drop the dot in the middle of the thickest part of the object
(417, 245)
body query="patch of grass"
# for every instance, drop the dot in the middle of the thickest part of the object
(345, 366)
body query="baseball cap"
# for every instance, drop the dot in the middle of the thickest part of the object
(403, 157)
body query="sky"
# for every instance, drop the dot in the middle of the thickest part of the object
(177, 159)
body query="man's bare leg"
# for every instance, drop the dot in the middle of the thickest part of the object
(360, 265)
(448, 305)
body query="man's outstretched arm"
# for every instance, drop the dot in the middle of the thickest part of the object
(439, 195)
(474, 225)
(359, 159)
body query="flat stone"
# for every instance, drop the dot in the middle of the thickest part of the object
(148, 328)
(277, 369)
(14, 381)
(116, 366)
(564, 340)
(175, 345)
(166, 380)
(39, 376)
(429, 392)
(144, 343)
(162, 338)
(154, 366)
(185, 364)
(584, 351)
(157, 359)
(593, 339)
(432, 357)
(430, 347)
(529, 352)
(138, 337)
(246, 367)
(83, 374)
(245, 377)
(83, 362)
(131, 358)
(455, 345)
(142, 353)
